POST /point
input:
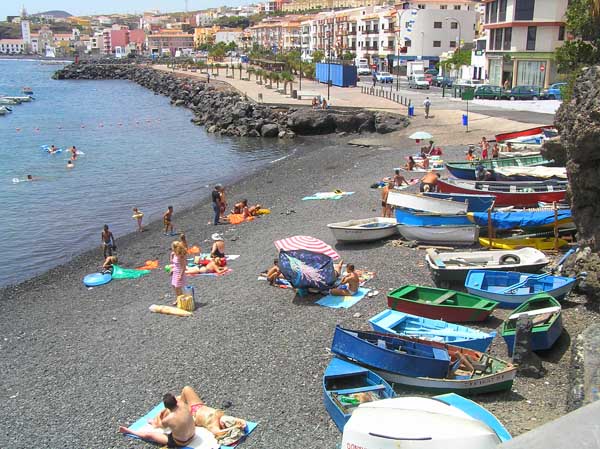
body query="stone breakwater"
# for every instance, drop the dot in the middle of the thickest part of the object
(227, 112)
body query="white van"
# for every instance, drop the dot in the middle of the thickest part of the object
(362, 66)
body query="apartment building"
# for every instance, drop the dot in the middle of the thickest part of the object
(307, 5)
(12, 46)
(278, 33)
(205, 35)
(521, 38)
(228, 35)
(169, 41)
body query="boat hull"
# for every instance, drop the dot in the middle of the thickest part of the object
(475, 203)
(454, 315)
(411, 218)
(523, 199)
(426, 203)
(453, 235)
(540, 243)
(366, 230)
(524, 133)
(404, 324)
(540, 341)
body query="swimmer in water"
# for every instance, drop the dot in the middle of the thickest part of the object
(73, 151)
(52, 149)
(29, 178)
(70, 164)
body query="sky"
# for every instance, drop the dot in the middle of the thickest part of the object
(88, 7)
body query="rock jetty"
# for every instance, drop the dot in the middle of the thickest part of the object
(229, 113)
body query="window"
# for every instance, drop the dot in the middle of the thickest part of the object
(453, 25)
(502, 10)
(481, 44)
(561, 33)
(457, 7)
(507, 39)
(437, 43)
(487, 12)
(498, 39)
(452, 44)
(492, 38)
(494, 12)
(443, 6)
(421, 6)
(407, 43)
(531, 34)
(390, 44)
(524, 9)
(437, 24)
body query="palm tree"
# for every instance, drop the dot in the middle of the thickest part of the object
(275, 76)
(240, 67)
(287, 77)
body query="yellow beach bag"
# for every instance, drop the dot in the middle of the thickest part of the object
(186, 302)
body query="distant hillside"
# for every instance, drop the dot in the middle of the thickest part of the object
(56, 14)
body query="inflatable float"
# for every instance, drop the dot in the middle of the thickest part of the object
(96, 279)
(169, 310)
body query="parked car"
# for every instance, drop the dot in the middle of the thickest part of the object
(554, 91)
(384, 77)
(443, 81)
(429, 78)
(523, 93)
(487, 91)
(433, 72)
(468, 83)
(363, 69)
(418, 82)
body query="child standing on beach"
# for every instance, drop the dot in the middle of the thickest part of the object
(138, 215)
(168, 221)
(108, 242)
(178, 264)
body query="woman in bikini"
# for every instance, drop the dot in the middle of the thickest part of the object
(214, 266)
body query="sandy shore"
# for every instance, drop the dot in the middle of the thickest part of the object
(78, 362)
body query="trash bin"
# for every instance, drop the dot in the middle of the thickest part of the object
(294, 93)
(465, 120)
(411, 111)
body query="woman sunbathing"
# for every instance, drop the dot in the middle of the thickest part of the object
(245, 210)
(214, 266)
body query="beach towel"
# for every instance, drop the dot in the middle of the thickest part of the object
(127, 273)
(204, 438)
(193, 250)
(281, 283)
(327, 196)
(228, 257)
(236, 219)
(365, 276)
(343, 302)
(149, 265)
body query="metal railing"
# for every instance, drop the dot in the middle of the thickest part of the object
(389, 94)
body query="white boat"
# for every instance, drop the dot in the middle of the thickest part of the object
(452, 235)
(364, 230)
(4, 110)
(527, 173)
(416, 423)
(8, 101)
(453, 266)
(426, 203)
(20, 99)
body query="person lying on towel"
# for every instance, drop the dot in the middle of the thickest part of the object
(182, 414)
(349, 284)
(243, 208)
(216, 265)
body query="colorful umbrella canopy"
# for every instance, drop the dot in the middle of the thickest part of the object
(308, 243)
(420, 135)
(307, 269)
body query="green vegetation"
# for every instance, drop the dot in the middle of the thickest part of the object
(583, 24)
(233, 22)
(458, 59)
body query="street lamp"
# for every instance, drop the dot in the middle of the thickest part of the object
(329, 35)
(413, 11)
(458, 25)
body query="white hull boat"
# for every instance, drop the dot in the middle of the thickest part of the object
(417, 423)
(426, 203)
(451, 235)
(20, 99)
(365, 230)
(4, 110)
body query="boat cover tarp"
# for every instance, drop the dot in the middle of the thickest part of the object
(307, 269)
(537, 172)
(517, 219)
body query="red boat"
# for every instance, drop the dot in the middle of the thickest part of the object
(517, 193)
(526, 132)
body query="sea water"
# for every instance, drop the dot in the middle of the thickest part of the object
(139, 151)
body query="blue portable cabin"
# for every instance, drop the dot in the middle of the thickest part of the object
(341, 75)
(381, 351)
(343, 381)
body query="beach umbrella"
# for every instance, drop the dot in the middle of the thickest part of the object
(420, 135)
(308, 243)
(307, 269)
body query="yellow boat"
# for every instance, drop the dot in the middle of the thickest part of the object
(540, 243)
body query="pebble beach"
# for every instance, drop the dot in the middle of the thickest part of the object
(79, 362)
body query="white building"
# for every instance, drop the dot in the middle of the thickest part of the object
(521, 38)
(11, 46)
(228, 35)
(26, 35)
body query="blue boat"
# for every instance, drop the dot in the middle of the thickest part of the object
(346, 386)
(414, 218)
(511, 288)
(400, 323)
(545, 314)
(477, 412)
(475, 203)
(522, 219)
(391, 353)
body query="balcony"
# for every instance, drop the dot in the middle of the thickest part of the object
(371, 31)
(352, 32)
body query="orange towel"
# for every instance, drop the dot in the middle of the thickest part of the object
(193, 250)
(149, 265)
(238, 218)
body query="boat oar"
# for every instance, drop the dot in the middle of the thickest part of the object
(534, 277)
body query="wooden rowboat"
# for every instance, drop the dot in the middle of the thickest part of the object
(366, 230)
(545, 313)
(467, 169)
(512, 289)
(515, 193)
(447, 267)
(423, 423)
(541, 243)
(405, 324)
(452, 235)
(426, 204)
(438, 303)
(346, 385)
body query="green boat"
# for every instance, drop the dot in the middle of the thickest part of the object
(545, 314)
(466, 169)
(440, 304)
